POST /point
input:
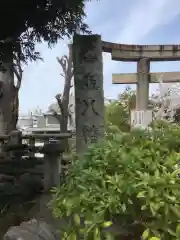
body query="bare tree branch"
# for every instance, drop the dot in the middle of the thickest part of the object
(62, 75)
(63, 100)
(59, 101)
(63, 62)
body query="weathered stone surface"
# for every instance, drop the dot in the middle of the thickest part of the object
(6, 178)
(31, 230)
(143, 67)
(52, 148)
(132, 78)
(126, 52)
(89, 94)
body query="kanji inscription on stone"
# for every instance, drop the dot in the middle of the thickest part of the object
(90, 133)
(87, 104)
(90, 55)
(90, 81)
(89, 94)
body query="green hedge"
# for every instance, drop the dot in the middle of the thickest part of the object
(127, 184)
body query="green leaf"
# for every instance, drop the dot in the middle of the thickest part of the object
(175, 210)
(178, 231)
(77, 220)
(172, 233)
(96, 234)
(72, 236)
(144, 207)
(177, 171)
(145, 234)
(153, 208)
(154, 238)
(106, 224)
(141, 194)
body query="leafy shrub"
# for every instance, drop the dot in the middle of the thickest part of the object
(130, 180)
(112, 129)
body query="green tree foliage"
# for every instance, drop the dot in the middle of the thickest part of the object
(117, 112)
(117, 116)
(127, 184)
(25, 23)
(177, 115)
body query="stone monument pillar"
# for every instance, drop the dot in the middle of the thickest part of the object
(89, 93)
(143, 68)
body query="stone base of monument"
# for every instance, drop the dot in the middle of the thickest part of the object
(141, 119)
(31, 230)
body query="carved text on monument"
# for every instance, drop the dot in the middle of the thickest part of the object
(88, 81)
(90, 55)
(90, 133)
(88, 104)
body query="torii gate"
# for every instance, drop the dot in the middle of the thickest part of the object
(143, 54)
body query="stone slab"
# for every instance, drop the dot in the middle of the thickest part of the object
(126, 52)
(131, 78)
(31, 230)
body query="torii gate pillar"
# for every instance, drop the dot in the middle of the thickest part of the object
(143, 68)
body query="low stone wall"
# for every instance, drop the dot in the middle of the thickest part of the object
(31, 230)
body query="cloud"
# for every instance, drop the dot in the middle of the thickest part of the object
(145, 17)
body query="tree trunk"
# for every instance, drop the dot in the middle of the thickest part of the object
(15, 108)
(6, 94)
(65, 98)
